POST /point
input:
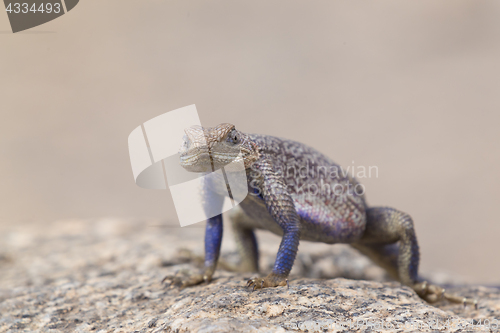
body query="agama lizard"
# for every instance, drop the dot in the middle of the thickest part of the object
(300, 194)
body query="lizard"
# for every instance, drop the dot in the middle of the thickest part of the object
(299, 194)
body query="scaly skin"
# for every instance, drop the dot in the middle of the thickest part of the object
(299, 194)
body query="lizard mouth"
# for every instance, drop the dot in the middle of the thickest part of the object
(196, 163)
(203, 162)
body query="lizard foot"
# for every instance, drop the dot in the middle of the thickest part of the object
(186, 280)
(272, 280)
(432, 293)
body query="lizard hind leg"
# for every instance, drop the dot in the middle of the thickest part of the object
(390, 241)
(246, 241)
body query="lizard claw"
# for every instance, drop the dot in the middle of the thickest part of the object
(255, 282)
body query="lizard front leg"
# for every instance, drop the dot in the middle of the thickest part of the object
(213, 240)
(281, 207)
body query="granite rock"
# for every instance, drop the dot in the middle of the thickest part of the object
(105, 276)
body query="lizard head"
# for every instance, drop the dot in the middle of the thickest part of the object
(209, 149)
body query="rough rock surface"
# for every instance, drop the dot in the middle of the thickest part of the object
(105, 276)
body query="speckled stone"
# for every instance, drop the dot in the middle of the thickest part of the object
(105, 276)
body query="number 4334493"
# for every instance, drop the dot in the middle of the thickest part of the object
(25, 8)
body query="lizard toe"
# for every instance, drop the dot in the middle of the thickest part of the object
(272, 280)
(433, 293)
(184, 281)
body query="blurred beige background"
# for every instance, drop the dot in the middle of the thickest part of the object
(411, 87)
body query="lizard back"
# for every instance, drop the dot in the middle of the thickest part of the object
(326, 198)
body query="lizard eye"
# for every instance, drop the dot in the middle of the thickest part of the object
(233, 137)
